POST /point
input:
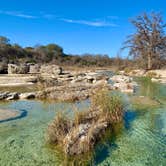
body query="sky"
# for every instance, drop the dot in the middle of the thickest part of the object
(79, 26)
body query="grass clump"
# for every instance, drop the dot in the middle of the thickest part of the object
(58, 129)
(80, 135)
(110, 104)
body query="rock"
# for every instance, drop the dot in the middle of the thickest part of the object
(9, 95)
(74, 139)
(13, 96)
(123, 83)
(15, 69)
(69, 92)
(33, 69)
(80, 140)
(78, 79)
(30, 95)
(3, 95)
(100, 82)
(50, 69)
(121, 78)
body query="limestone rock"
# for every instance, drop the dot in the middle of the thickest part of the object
(12, 96)
(30, 95)
(3, 95)
(50, 69)
(123, 83)
(18, 69)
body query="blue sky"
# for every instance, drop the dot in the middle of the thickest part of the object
(79, 26)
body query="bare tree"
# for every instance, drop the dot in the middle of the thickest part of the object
(149, 41)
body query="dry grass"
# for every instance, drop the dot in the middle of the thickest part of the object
(110, 105)
(80, 135)
(58, 129)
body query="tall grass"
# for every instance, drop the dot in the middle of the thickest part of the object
(110, 104)
(58, 129)
(106, 109)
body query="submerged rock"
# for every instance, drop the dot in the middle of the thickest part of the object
(8, 114)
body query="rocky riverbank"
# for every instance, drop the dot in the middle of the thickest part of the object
(155, 75)
(56, 84)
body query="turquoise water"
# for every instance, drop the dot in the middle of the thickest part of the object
(141, 141)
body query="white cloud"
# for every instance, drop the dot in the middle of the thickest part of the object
(94, 23)
(17, 14)
(91, 23)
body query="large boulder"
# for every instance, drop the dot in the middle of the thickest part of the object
(18, 69)
(50, 70)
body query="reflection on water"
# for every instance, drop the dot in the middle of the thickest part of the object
(139, 141)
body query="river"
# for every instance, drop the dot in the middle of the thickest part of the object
(141, 141)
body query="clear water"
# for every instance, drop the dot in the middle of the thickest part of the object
(140, 142)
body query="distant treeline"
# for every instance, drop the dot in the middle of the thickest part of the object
(53, 53)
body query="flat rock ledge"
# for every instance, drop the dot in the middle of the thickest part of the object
(15, 95)
(75, 91)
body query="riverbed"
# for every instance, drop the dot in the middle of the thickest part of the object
(140, 141)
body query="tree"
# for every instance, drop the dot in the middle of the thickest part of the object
(4, 40)
(149, 41)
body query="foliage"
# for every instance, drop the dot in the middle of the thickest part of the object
(53, 53)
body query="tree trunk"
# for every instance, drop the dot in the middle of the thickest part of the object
(149, 62)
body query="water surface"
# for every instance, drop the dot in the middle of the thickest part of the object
(140, 141)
